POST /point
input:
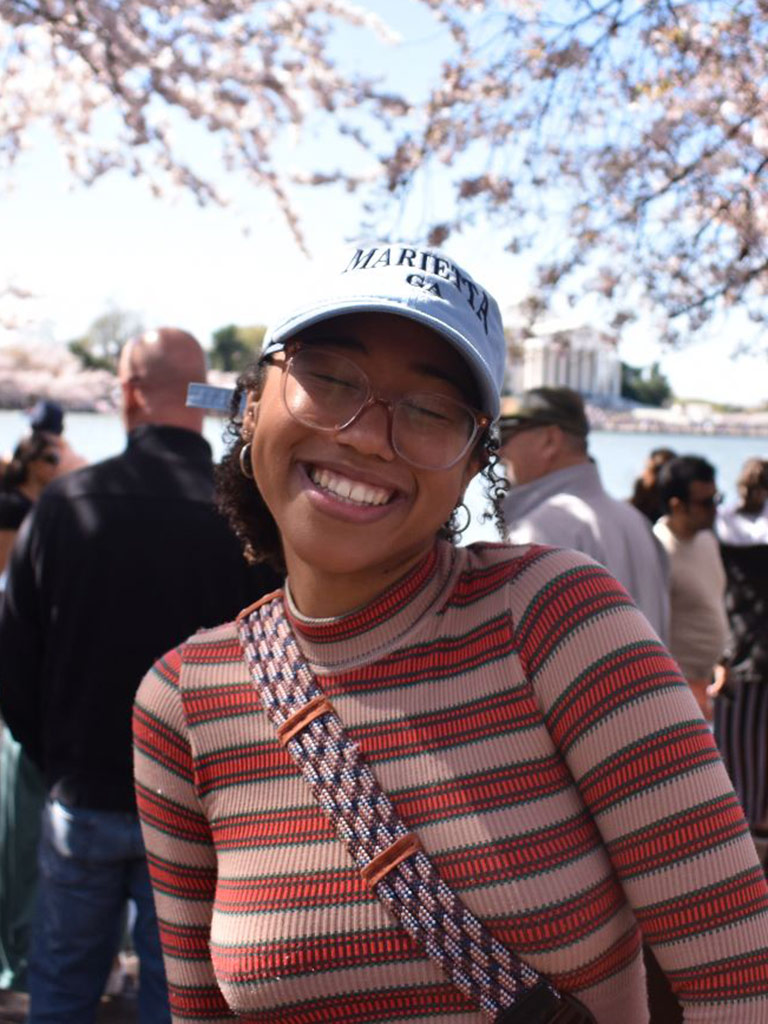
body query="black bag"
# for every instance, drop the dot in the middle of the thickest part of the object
(662, 1001)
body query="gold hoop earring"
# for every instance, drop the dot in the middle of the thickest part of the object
(244, 458)
(453, 522)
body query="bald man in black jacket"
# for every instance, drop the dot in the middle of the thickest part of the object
(119, 562)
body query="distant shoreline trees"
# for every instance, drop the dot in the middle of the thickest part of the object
(99, 348)
(646, 385)
(233, 348)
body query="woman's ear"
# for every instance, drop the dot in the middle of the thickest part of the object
(474, 464)
(250, 416)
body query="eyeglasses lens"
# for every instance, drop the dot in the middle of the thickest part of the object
(328, 391)
(323, 390)
(431, 430)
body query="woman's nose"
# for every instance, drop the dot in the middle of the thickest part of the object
(371, 432)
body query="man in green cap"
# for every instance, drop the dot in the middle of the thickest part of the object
(557, 497)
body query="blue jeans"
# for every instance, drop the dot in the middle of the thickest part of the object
(90, 864)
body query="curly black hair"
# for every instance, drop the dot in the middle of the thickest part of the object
(34, 446)
(240, 500)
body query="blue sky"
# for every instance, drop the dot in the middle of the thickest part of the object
(81, 250)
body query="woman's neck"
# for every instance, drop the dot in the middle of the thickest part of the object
(327, 595)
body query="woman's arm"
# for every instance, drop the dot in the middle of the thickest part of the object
(180, 852)
(648, 770)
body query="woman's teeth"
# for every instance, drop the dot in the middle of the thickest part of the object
(350, 490)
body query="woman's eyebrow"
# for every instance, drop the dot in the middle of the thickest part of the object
(353, 344)
(340, 340)
(430, 370)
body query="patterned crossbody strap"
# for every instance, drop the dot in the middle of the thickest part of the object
(387, 855)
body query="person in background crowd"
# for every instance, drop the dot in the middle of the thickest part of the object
(740, 690)
(698, 630)
(30, 469)
(117, 561)
(531, 731)
(46, 418)
(747, 522)
(645, 494)
(557, 497)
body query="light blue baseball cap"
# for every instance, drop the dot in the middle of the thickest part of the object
(423, 284)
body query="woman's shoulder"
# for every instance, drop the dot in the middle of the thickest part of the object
(210, 645)
(549, 599)
(212, 636)
(521, 575)
(515, 562)
(207, 658)
(207, 651)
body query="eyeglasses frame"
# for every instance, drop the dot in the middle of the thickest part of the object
(481, 420)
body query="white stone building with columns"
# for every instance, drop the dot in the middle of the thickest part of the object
(581, 358)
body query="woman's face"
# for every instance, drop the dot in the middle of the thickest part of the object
(353, 515)
(43, 469)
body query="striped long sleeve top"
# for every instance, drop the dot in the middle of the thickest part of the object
(528, 725)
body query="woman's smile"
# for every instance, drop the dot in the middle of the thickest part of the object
(346, 494)
(353, 492)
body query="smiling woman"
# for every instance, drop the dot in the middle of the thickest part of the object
(356, 502)
(514, 784)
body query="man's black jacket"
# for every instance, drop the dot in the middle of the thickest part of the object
(117, 563)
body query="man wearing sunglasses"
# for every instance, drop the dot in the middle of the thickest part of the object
(698, 623)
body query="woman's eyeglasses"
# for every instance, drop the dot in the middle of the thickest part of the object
(327, 391)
